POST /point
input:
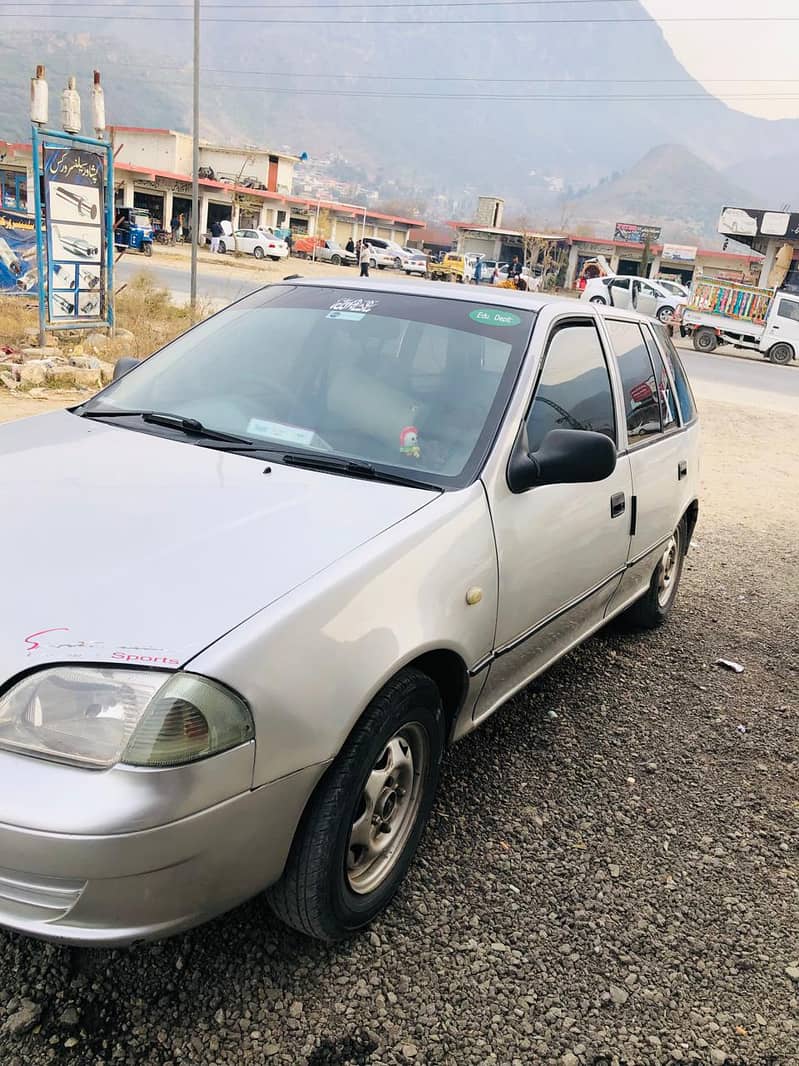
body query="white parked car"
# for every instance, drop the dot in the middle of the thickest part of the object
(675, 287)
(416, 263)
(635, 294)
(385, 254)
(379, 511)
(258, 242)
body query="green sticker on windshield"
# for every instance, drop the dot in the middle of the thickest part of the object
(491, 316)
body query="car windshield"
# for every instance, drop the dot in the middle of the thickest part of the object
(407, 381)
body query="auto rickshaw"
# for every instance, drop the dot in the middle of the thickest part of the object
(133, 230)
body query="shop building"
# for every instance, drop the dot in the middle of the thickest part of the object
(246, 186)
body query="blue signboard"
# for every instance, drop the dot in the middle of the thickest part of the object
(74, 187)
(18, 272)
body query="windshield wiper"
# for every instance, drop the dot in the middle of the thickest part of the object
(352, 468)
(190, 426)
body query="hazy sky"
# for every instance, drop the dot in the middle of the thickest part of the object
(737, 50)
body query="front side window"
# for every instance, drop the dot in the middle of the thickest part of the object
(574, 389)
(788, 309)
(404, 381)
(641, 404)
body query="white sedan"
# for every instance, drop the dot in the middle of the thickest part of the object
(636, 294)
(258, 242)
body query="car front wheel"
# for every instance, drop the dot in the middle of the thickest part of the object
(222, 247)
(654, 607)
(362, 826)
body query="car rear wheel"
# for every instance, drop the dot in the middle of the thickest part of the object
(705, 340)
(598, 300)
(373, 264)
(361, 828)
(654, 607)
(222, 247)
(258, 252)
(665, 314)
(781, 353)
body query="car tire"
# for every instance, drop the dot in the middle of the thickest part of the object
(373, 264)
(398, 263)
(147, 248)
(258, 252)
(598, 300)
(781, 354)
(330, 888)
(408, 273)
(664, 315)
(655, 606)
(222, 247)
(705, 339)
(336, 260)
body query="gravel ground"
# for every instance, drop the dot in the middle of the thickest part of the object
(614, 884)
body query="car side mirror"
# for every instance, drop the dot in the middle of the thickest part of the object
(123, 366)
(565, 457)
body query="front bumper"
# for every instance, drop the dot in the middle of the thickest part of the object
(113, 890)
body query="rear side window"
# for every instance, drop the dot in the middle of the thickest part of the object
(684, 395)
(574, 388)
(639, 386)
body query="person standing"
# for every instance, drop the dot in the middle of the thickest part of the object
(478, 270)
(350, 246)
(363, 259)
(216, 233)
(515, 269)
(289, 240)
(174, 225)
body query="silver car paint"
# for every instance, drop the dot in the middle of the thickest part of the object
(310, 616)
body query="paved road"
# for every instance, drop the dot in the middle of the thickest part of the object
(211, 285)
(753, 382)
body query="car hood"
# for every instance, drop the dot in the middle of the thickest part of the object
(126, 547)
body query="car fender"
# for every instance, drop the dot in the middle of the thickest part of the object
(309, 664)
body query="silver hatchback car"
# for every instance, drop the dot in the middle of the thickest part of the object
(307, 546)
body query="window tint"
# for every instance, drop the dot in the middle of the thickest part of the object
(666, 398)
(788, 309)
(641, 405)
(574, 390)
(685, 397)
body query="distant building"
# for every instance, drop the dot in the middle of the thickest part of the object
(244, 185)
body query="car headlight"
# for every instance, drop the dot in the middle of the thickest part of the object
(97, 718)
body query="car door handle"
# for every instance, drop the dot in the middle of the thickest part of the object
(617, 504)
(682, 470)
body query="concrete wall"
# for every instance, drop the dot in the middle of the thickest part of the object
(142, 149)
(244, 164)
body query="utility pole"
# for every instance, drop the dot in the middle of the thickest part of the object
(195, 163)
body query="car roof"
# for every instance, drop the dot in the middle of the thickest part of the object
(490, 295)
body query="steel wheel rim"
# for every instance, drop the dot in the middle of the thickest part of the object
(387, 809)
(667, 571)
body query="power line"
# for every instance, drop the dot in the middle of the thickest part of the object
(716, 19)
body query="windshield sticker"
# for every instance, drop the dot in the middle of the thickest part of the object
(350, 316)
(409, 442)
(279, 431)
(353, 303)
(490, 316)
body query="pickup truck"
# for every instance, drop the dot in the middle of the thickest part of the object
(764, 320)
(324, 251)
(454, 267)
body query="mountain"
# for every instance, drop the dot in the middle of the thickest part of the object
(774, 180)
(402, 102)
(669, 187)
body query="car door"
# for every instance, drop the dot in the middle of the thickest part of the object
(647, 298)
(783, 325)
(561, 548)
(244, 242)
(660, 454)
(619, 294)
